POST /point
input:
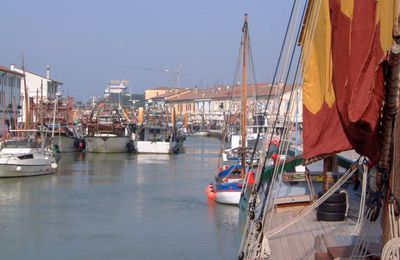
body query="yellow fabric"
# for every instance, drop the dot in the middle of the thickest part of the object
(386, 16)
(347, 7)
(317, 68)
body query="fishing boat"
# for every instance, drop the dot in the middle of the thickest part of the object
(349, 54)
(68, 139)
(156, 135)
(108, 131)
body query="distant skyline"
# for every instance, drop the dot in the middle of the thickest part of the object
(88, 43)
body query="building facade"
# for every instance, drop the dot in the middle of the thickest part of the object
(115, 91)
(211, 104)
(10, 96)
(37, 86)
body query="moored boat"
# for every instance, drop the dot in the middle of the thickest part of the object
(25, 157)
(107, 132)
(156, 135)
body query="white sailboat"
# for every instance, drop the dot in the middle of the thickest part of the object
(25, 157)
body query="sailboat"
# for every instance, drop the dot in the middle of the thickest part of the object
(229, 181)
(349, 56)
(25, 152)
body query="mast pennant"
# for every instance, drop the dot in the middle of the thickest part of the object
(344, 52)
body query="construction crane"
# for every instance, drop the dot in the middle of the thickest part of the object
(176, 72)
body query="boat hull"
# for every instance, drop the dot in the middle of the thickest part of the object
(228, 197)
(157, 147)
(112, 144)
(16, 162)
(18, 170)
(65, 143)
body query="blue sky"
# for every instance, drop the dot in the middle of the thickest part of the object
(87, 43)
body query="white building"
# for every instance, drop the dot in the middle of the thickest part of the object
(35, 84)
(10, 95)
(115, 90)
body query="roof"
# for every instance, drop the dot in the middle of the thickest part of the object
(224, 92)
(160, 88)
(5, 69)
(56, 81)
(172, 93)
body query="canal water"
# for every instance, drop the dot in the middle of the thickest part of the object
(120, 206)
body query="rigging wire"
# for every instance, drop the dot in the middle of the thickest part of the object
(256, 186)
(303, 57)
(227, 119)
(274, 79)
(282, 144)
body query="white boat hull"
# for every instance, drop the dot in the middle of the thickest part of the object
(16, 162)
(111, 144)
(9, 170)
(158, 147)
(228, 197)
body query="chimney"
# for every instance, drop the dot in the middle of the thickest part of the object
(12, 67)
(48, 72)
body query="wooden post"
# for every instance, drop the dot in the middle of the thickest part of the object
(328, 179)
(391, 136)
(140, 116)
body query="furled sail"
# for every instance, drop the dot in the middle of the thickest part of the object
(344, 53)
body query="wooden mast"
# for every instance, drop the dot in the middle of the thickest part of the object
(394, 179)
(244, 94)
(26, 108)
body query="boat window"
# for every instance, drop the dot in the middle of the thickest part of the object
(25, 156)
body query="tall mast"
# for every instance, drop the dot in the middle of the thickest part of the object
(244, 94)
(26, 109)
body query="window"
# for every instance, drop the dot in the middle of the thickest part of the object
(5, 80)
(1, 98)
(12, 82)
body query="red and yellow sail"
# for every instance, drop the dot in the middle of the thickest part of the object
(344, 50)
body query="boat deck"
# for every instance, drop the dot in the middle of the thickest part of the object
(302, 240)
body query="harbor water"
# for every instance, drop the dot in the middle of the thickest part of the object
(120, 206)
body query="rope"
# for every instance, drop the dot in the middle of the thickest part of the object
(361, 212)
(318, 202)
(278, 65)
(256, 187)
(370, 230)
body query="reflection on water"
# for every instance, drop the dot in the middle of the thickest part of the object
(119, 206)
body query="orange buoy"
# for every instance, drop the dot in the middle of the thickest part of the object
(211, 195)
(251, 178)
(209, 188)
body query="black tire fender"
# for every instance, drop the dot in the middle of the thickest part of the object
(330, 216)
(333, 207)
(337, 197)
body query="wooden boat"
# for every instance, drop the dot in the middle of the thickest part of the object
(229, 181)
(350, 59)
